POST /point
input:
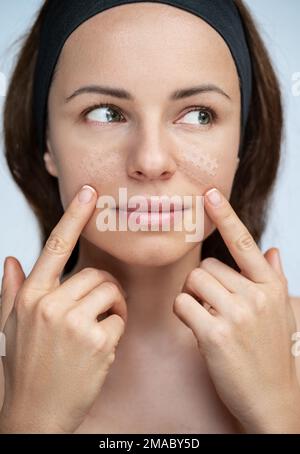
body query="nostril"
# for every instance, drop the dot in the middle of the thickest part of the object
(166, 174)
(138, 173)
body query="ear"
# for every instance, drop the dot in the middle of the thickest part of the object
(50, 161)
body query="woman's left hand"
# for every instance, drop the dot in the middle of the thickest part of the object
(244, 328)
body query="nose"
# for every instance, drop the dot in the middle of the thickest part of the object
(151, 157)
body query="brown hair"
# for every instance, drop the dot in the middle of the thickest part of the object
(254, 179)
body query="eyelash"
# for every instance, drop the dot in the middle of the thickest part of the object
(206, 108)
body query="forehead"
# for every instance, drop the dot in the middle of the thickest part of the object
(146, 42)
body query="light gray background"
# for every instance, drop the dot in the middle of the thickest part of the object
(279, 26)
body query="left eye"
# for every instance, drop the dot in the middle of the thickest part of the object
(106, 113)
(204, 116)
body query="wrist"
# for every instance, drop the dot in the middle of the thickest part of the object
(10, 424)
(280, 416)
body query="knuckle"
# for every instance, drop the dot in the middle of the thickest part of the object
(111, 358)
(112, 288)
(73, 321)
(56, 245)
(220, 335)
(195, 275)
(119, 321)
(91, 272)
(260, 301)
(260, 308)
(46, 310)
(181, 297)
(208, 261)
(106, 275)
(245, 242)
(240, 316)
(123, 327)
(99, 340)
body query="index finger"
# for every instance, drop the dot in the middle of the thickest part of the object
(238, 239)
(62, 240)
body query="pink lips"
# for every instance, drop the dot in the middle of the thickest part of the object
(156, 215)
(154, 207)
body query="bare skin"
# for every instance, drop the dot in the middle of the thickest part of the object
(158, 382)
(150, 325)
(123, 399)
(124, 407)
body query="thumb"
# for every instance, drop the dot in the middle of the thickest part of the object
(12, 279)
(273, 257)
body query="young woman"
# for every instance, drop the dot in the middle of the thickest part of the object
(142, 331)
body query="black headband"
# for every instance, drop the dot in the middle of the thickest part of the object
(62, 17)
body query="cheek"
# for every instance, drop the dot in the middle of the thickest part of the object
(210, 165)
(88, 166)
(83, 157)
(103, 168)
(198, 165)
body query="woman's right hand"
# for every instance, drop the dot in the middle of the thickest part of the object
(58, 353)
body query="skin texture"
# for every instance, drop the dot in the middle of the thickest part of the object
(171, 342)
(57, 348)
(149, 152)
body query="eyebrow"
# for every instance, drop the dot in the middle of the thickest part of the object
(123, 94)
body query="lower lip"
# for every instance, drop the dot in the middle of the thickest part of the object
(153, 218)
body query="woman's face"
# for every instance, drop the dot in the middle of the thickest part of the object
(147, 142)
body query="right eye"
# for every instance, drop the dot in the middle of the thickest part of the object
(103, 113)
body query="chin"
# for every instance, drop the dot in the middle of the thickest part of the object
(145, 248)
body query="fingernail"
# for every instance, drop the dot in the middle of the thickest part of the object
(86, 194)
(213, 196)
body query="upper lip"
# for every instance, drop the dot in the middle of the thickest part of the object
(157, 207)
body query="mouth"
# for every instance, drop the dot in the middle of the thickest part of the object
(155, 207)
